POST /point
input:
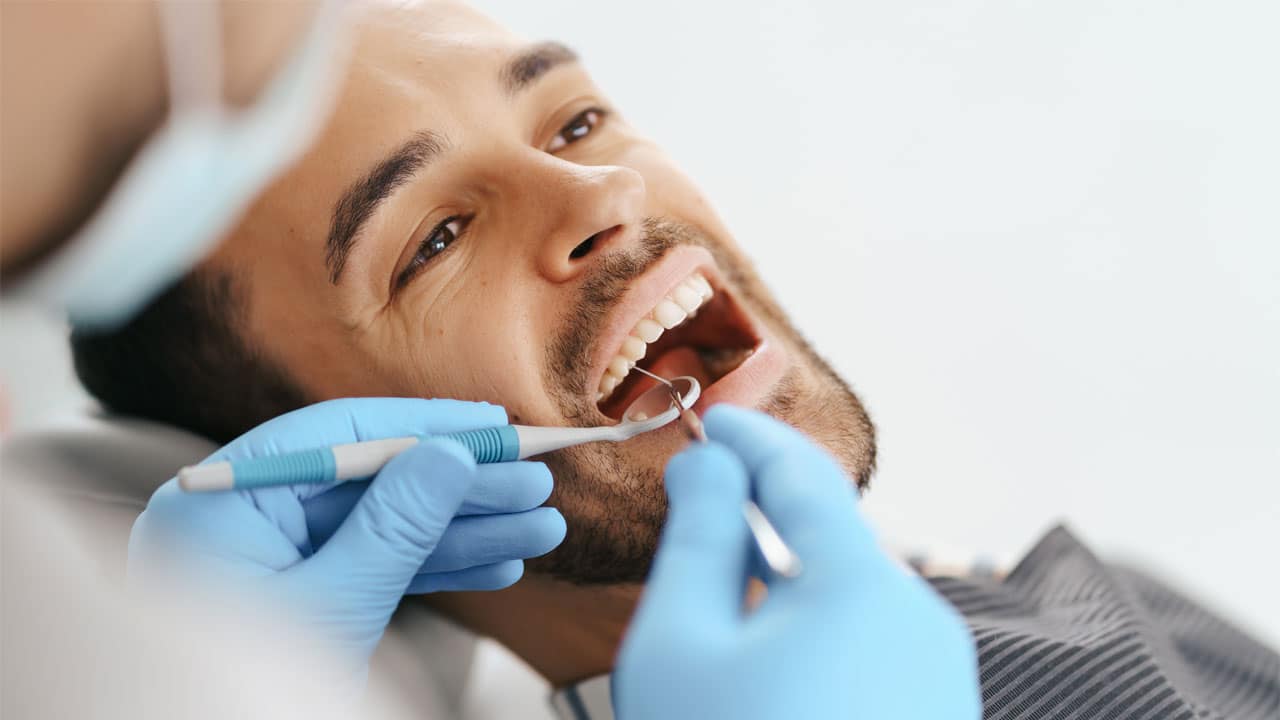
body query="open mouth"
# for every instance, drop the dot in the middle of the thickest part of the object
(696, 329)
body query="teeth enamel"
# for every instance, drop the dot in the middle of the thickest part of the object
(668, 314)
(632, 348)
(701, 285)
(687, 298)
(678, 306)
(620, 366)
(648, 330)
(608, 383)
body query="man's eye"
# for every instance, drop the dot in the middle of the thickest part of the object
(579, 127)
(439, 239)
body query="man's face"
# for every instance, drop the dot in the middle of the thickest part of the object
(479, 222)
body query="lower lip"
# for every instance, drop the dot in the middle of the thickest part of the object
(750, 382)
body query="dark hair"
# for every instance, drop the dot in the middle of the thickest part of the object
(182, 361)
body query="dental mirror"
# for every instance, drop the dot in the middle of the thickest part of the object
(657, 400)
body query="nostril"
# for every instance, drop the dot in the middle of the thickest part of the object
(584, 247)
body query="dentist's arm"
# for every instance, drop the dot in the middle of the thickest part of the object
(853, 637)
(339, 560)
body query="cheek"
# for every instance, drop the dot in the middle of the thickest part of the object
(488, 346)
(671, 193)
(291, 324)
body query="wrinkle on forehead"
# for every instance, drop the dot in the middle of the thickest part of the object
(415, 49)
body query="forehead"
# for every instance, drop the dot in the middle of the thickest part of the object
(406, 52)
(413, 67)
(428, 66)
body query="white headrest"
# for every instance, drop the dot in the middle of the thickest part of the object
(102, 455)
(100, 470)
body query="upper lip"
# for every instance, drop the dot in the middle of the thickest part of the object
(646, 291)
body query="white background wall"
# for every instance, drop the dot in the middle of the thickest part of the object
(1041, 239)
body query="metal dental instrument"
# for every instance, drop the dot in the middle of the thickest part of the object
(780, 558)
(505, 443)
(688, 418)
(777, 554)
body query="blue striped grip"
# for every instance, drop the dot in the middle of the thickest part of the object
(305, 466)
(490, 445)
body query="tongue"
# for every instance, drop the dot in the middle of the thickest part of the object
(679, 361)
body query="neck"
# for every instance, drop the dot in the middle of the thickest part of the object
(566, 632)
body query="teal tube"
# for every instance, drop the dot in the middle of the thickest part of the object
(307, 466)
(490, 445)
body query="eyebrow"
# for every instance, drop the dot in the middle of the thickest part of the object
(363, 197)
(532, 63)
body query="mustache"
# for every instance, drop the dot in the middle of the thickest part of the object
(569, 353)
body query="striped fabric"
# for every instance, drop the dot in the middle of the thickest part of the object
(1067, 636)
(1064, 636)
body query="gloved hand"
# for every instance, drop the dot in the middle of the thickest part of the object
(854, 636)
(339, 558)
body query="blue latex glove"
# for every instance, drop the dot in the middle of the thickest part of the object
(853, 637)
(340, 558)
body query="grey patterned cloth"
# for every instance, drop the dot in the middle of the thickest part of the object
(1065, 635)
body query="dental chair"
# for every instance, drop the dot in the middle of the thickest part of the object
(100, 470)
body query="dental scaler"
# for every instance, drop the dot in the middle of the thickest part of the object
(505, 443)
(657, 407)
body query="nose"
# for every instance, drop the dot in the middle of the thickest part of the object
(591, 208)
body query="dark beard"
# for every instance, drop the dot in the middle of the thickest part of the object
(613, 499)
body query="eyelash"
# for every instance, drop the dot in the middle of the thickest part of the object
(597, 116)
(594, 117)
(421, 257)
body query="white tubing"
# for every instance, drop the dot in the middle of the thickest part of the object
(538, 440)
(365, 459)
(206, 478)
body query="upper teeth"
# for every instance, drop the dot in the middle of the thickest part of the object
(680, 304)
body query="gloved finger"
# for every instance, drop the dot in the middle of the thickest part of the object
(398, 521)
(484, 577)
(700, 568)
(348, 420)
(206, 536)
(281, 506)
(487, 539)
(800, 487)
(325, 512)
(510, 487)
